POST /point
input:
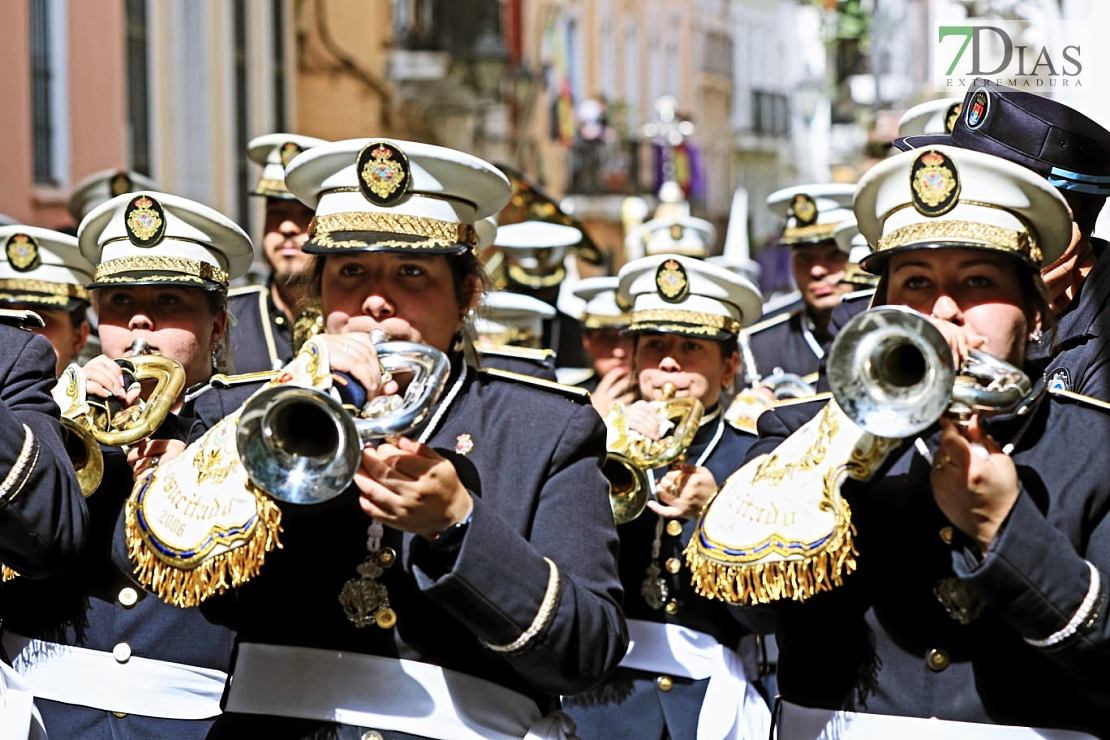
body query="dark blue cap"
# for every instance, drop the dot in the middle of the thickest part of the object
(1061, 144)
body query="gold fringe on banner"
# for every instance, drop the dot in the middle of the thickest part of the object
(215, 575)
(763, 583)
(7, 574)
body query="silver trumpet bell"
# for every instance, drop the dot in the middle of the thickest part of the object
(302, 446)
(891, 371)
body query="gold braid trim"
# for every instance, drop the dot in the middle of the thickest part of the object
(764, 583)
(437, 233)
(596, 321)
(547, 606)
(523, 277)
(969, 232)
(813, 232)
(710, 322)
(269, 188)
(109, 272)
(42, 286)
(214, 575)
(7, 574)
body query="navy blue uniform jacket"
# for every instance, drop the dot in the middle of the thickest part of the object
(867, 645)
(630, 704)
(534, 472)
(84, 605)
(42, 514)
(260, 335)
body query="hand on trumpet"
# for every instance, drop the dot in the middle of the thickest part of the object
(353, 353)
(104, 378)
(645, 420)
(146, 455)
(411, 487)
(683, 491)
(975, 483)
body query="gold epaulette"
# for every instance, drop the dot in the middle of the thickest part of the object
(20, 318)
(570, 391)
(522, 353)
(804, 399)
(768, 323)
(1097, 403)
(741, 425)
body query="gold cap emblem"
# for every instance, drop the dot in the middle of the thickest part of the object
(289, 150)
(23, 252)
(676, 232)
(803, 209)
(464, 443)
(145, 221)
(935, 184)
(952, 115)
(383, 173)
(671, 281)
(120, 184)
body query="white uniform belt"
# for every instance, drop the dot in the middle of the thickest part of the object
(732, 709)
(802, 723)
(92, 678)
(384, 693)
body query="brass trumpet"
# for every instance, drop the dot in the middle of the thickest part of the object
(301, 446)
(892, 373)
(630, 456)
(99, 422)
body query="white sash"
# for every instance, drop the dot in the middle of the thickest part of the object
(92, 678)
(384, 693)
(732, 709)
(802, 723)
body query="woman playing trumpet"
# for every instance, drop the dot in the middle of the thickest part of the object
(105, 659)
(980, 548)
(685, 318)
(467, 576)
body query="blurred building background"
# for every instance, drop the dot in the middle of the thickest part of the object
(756, 94)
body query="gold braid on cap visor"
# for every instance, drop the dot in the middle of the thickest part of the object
(62, 291)
(963, 232)
(598, 321)
(187, 270)
(693, 322)
(436, 233)
(813, 232)
(269, 187)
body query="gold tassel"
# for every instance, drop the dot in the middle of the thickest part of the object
(7, 574)
(763, 583)
(214, 575)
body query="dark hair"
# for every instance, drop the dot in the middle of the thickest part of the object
(79, 314)
(1085, 208)
(463, 266)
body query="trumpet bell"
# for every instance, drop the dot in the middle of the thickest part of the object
(298, 444)
(115, 430)
(628, 487)
(85, 454)
(891, 371)
(301, 446)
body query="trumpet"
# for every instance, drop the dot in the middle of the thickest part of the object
(94, 423)
(630, 456)
(892, 373)
(301, 446)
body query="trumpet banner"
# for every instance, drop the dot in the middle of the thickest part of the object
(779, 527)
(196, 526)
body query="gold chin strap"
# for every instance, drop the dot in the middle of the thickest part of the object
(779, 527)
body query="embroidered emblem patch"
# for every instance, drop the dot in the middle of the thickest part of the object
(145, 221)
(120, 184)
(464, 443)
(288, 151)
(935, 184)
(676, 232)
(1059, 380)
(951, 116)
(804, 209)
(383, 173)
(671, 281)
(23, 252)
(978, 110)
